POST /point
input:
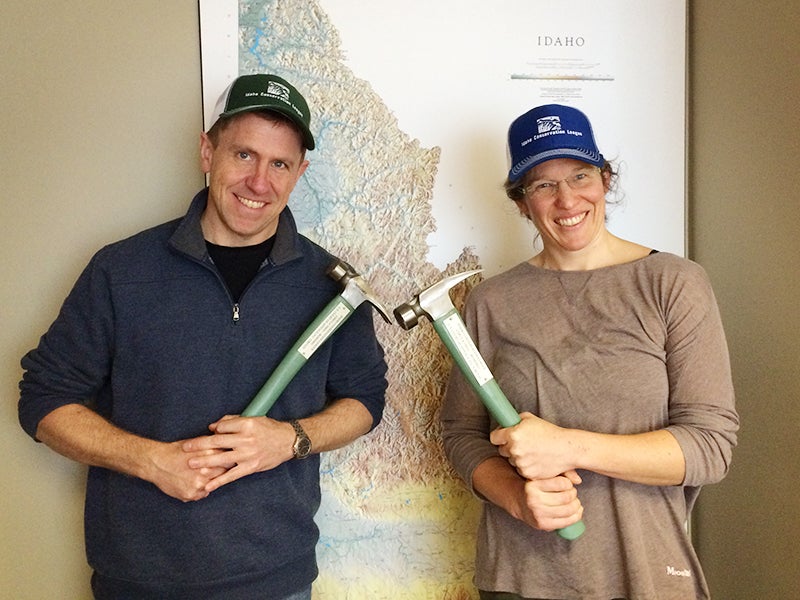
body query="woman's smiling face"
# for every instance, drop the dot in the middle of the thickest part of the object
(565, 200)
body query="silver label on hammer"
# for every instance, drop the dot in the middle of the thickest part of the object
(466, 347)
(324, 330)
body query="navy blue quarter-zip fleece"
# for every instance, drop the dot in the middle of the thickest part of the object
(151, 337)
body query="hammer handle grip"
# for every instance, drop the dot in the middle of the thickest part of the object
(321, 328)
(453, 332)
(456, 338)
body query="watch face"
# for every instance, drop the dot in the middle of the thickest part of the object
(302, 444)
(302, 447)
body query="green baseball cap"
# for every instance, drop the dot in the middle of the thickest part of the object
(265, 92)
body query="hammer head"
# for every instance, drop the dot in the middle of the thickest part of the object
(356, 289)
(433, 302)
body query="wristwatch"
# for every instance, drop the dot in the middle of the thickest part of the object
(302, 443)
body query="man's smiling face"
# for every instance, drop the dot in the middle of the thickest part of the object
(252, 169)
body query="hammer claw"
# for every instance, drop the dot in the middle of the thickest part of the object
(356, 288)
(432, 302)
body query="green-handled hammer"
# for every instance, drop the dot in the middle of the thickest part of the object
(356, 290)
(434, 302)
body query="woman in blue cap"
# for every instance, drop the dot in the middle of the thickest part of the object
(615, 356)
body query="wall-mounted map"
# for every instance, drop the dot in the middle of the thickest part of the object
(410, 106)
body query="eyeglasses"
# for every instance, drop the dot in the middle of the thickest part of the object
(541, 189)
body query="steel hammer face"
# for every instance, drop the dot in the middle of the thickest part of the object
(433, 302)
(407, 315)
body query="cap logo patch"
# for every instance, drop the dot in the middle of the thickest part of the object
(547, 124)
(276, 89)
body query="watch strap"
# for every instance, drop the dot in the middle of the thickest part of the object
(302, 443)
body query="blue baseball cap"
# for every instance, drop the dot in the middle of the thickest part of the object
(547, 132)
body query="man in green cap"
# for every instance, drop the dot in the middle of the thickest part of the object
(169, 330)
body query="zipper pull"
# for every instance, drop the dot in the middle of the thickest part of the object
(235, 313)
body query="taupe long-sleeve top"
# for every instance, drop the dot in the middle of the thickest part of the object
(624, 349)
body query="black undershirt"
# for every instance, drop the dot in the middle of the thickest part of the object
(238, 265)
